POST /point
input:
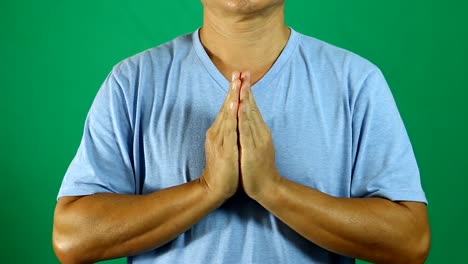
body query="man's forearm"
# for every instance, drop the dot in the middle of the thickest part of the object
(372, 229)
(105, 226)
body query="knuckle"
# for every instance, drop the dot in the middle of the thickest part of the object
(234, 150)
(267, 138)
(208, 144)
(210, 134)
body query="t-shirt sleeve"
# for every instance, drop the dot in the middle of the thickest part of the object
(103, 162)
(384, 164)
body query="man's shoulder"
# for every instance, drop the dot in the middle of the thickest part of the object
(318, 51)
(175, 49)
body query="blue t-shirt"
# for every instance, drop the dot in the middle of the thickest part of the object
(334, 123)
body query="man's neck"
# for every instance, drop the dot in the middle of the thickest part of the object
(239, 42)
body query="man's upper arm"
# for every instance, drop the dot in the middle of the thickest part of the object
(103, 162)
(384, 164)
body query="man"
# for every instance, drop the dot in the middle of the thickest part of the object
(307, 161)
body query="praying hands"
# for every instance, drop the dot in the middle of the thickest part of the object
(239, 148)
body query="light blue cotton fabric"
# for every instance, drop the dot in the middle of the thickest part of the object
(334, 123)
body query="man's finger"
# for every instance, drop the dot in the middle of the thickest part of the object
(245, 87)
(233, 91)
(245, 131)
(257, 124)
(247, 110)
(255, 112)
(229, 129)
(246, 91)
(245, 78)
(231, 106)
(231, 97)
(230, 116)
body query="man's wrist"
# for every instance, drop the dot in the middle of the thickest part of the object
(209, 193)
(269, 188)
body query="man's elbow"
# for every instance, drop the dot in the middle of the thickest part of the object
(66, 252)
(68, 244)
(416, 251)
(422, 247)
(416, 237)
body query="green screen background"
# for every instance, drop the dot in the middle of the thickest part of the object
(55, 55)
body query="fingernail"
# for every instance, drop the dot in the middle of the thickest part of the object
(231, 106)
(234, 85)
(246, 76)
(233, 76)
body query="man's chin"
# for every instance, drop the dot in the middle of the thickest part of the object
(243, 6)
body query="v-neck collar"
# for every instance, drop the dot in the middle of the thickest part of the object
(265, 80)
